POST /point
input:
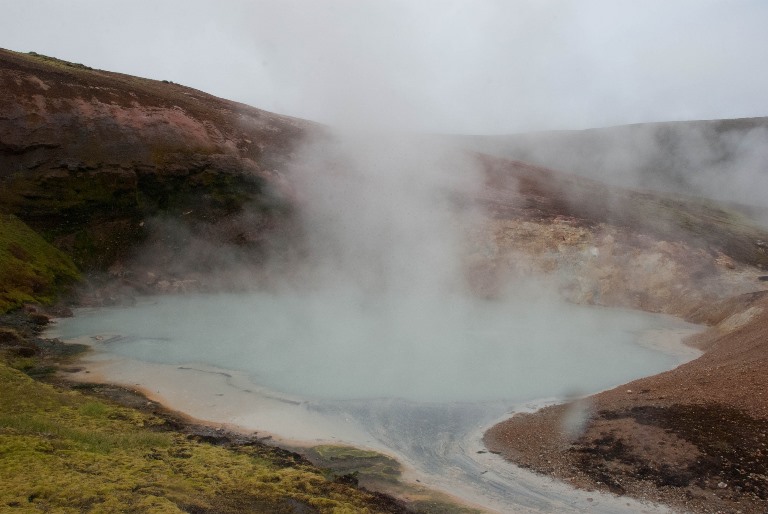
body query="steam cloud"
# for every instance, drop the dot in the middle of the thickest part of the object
(721, 160)
(385, 239)
(479, 67)
(380, 211)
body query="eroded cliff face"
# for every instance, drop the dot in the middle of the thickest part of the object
(609, 266)
(610, 246)
(102, 164)
(87, 155)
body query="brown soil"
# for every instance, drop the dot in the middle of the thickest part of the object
(695, 438)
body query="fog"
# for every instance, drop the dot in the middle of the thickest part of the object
(385, 227)
(458, 66)
(374, 299)
(380, 304)
(337, 345)
(376, 327)
(481, 67)
(722, 160)
(380, 212)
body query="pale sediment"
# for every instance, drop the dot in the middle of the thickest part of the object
(226, 398)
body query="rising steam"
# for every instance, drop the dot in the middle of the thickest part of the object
(382, 213)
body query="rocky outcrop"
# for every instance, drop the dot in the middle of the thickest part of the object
(516, 189)
(87, 155)
(612, 246)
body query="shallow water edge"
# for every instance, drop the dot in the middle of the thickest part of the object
(438, 444)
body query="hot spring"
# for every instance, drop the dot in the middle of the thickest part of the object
(343, 347)
(418, 378)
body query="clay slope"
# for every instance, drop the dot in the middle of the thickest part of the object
(87, 155)
(713, 158)
(695, 437)
(613, 246)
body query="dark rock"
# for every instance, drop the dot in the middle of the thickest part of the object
(347, 479)
(39, 318)
(22, 351)
(9, 336)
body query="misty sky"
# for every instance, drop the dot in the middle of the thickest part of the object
(479, 66)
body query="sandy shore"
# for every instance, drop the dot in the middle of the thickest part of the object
(222, 397)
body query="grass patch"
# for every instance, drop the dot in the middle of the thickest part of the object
(62, 451)
(64, 437)
(59, 62)
(31, 270)
(355, 464)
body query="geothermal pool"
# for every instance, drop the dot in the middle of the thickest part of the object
(417, 377)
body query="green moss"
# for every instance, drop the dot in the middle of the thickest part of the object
(67, 199)
(65, 452)
(364, 465)
(31, 270)
(334, 452)
(206, 195)
(22, 363)
(441, 505)
(59, 62)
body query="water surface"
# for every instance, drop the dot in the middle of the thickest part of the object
(417, 378)
(341, 348)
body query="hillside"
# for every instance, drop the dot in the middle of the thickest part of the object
(87, 155)
(720, 159)
(100, 162)
(139, 186)
(693, 437)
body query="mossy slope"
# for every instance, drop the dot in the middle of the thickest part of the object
(65, 452)
(31, 270)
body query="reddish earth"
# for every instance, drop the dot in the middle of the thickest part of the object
(695, 437)
(88, 156)
(100, 162)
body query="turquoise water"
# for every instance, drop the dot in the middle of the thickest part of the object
(347, 346)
